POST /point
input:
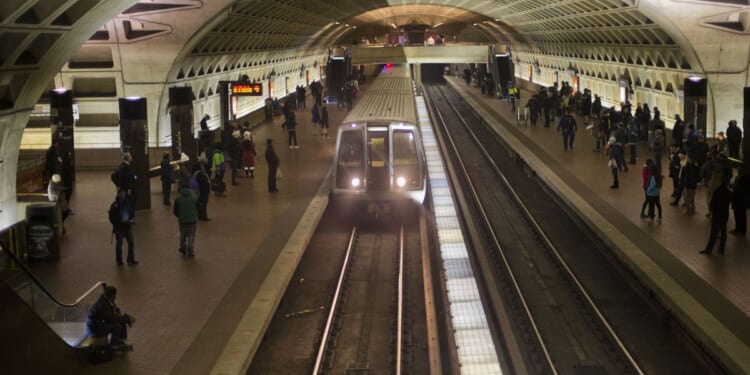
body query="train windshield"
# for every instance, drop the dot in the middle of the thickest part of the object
(404, 148)
(350, 149)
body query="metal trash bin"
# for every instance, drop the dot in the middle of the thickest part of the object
(42, 239)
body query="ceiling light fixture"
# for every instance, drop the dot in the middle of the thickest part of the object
(437, 24)
(394, 26)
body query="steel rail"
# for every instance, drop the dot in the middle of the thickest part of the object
(400, 308)
(334, 305)
(492, 232)
(602, 319)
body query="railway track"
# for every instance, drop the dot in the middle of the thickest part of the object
(548, 270)
(365, 329)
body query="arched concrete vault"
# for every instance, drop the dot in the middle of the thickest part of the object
(159, 43)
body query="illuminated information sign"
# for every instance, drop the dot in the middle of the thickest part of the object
(246, 89)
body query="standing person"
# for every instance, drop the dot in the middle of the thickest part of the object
(734, 139)
(615, 152)
(105, 318)
(204, 122)
(689, 181)
(633, 140)
(324, 122)
(51, 162)
(645, 179)
(186, 210)
(121, 220)
(719, 207)
(674, 170)
(273, 166)
(653, 191)
(202, 183)
(218, 167)
(740, 201)
(291, 128)
(569, 128)
(167, 179)
(248, 154)
(315, 118)
(125, 180)
(677, 131)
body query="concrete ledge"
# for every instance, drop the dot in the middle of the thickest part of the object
(239, 351)
(717, 338)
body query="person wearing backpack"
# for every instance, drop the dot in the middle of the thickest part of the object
(653, 191)
(122, 222)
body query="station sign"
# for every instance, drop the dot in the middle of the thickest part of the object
(246, 89)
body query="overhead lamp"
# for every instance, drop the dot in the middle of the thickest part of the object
(475, 24)
(695, 78)
(60, 90)
(354, 27)
(336, 22)
(394, 26)
(437, 24)
(346, 24)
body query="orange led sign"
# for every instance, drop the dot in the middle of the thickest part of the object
(246, 89)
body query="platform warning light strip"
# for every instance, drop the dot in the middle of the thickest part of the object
(474, 345)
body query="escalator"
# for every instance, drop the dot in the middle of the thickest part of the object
(40, 334)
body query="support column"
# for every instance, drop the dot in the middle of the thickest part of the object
(134, 139)
(181, 116)
(61, 117)
(696, 103)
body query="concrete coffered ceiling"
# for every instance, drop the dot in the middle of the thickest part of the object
(38, 37)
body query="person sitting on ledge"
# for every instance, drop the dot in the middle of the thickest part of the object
(105, 318)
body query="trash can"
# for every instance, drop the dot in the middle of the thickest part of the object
(42, 239)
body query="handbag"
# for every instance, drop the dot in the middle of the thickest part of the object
(278, 173)
(612, 164)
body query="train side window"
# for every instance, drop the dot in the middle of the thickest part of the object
(404, 148)
(350, 149)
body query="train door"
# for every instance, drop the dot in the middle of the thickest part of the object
(349, 171)
(378, 171)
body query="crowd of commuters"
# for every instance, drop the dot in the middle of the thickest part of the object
(622, 133)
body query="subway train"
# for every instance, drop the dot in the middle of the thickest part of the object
(379, 164)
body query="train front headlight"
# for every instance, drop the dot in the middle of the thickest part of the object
(355, 182)
(401, 181)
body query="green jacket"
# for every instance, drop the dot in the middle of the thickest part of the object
(186, 207)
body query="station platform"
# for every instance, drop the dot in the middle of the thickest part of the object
(189, 309)
(708, 293)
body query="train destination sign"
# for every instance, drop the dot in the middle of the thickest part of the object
(246, 89)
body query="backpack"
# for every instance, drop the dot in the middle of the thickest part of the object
(115, 177)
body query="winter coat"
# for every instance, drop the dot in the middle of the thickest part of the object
(186, 207)
(315, 115)
(689, 176)
(653, 189)
(271, 157)
(248, 154)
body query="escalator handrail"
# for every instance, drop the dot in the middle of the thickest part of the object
(35, 280)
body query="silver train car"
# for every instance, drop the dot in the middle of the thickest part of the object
(379, 160)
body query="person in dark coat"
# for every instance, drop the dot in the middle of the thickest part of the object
(122, 222)
(167, 179)
(203, 183)
(720, 201)
(273, 166)
(291, 127)
(234, 151)
(248, 154)
(105, 318)
(186, 210)
(734, 139)
(689, 181)
(51, 163)
(677, 131)
(740, 200)
(569, 128)
(126, 181)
